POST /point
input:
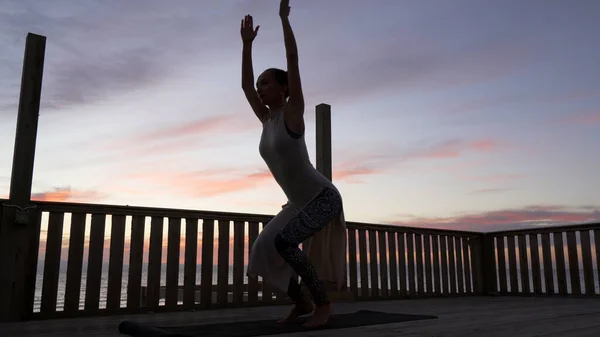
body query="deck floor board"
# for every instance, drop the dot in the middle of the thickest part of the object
(467, 316)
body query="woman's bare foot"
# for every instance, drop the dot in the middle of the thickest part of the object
(320, 316)
(301, 308)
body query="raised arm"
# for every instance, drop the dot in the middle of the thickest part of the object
(248, 34)
(296, 98)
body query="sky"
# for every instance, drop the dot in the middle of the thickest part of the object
(463, 114)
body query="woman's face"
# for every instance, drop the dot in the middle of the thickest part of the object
(269, 91)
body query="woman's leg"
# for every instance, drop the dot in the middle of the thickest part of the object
(295, 290)
(316, 215)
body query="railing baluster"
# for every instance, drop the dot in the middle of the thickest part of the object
(559, 251)
(238, 262)
(252, 283)
(597, 249)
(75, 263)
(223, 264)
(52, 262)
(115, 263)
(536, 275)
(428, 275)
(523, 264)
(383, 264)
(420, 290)
(154, 262)
(435, 242)
(364, 280)
(190, 263)
(512, 264)
(266, 289)
(444, 251)
(573, 263)
(402, 263)
(375, 289)
(35, 228)
(548, 266)
(394, 291)
(452, 264)
(410, 249)
(206, 276)
(586, 259)
(352, 262)
(136, 255)
(467, 265)
(502, 264)
(459, 266)
(94, 268)
(173, 250)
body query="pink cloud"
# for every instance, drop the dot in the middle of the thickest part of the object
(454, 149)
(494, 177)
(206, 183)
(169, 139)
(349, 174)
(489, 191)
(67, 194)
(527, 217)
(209, 124)
(368, 163)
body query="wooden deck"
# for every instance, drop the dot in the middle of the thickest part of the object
(466, 316)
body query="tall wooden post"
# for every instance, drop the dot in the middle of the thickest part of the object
(325, 166)
(19, 227)
(323, 124)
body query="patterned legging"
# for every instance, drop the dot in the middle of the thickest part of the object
(314, 217)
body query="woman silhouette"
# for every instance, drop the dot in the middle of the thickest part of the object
(313, 201)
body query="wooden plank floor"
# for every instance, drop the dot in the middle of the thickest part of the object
(469, 316)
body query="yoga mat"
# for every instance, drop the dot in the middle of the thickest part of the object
(265, 327)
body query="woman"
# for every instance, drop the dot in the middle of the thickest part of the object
(313, 201)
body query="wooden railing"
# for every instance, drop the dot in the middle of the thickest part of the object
(391, 262)
(545, 261)
(100, 259)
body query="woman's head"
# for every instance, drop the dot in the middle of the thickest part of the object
(272, 87)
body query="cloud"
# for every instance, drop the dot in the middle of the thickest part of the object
(98, 50)
(453, 148)
(527, 217)
(404, 62)
(157, 143)
(353, 174)
(202, 183)
(174, 138)
(493, 177)
(463, 170)
(589, 118)
(354, 165)
(67, 194)
(489, 191)
(193, 128)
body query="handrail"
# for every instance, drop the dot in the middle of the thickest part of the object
(546, 229)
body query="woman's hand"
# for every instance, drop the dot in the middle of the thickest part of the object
(247, 30)
(284, 8)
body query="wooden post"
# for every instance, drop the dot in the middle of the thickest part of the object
(325, 166)
(19, 227)
(478, 264)
(323, 123)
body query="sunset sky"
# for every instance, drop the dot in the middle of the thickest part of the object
(478, 114)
